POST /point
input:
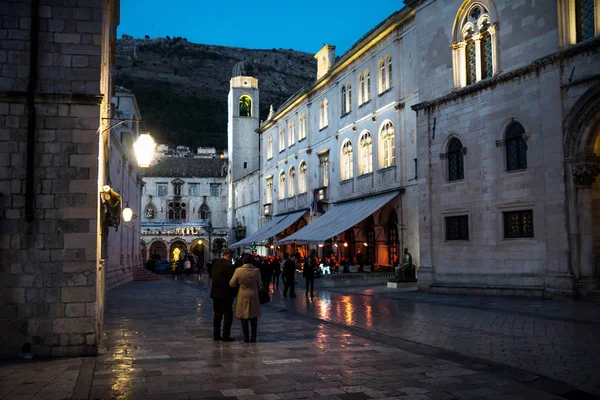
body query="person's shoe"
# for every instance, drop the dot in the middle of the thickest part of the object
(253, 340)
(228, 339)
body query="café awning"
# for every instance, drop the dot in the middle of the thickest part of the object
(337, 220)
(276, 225)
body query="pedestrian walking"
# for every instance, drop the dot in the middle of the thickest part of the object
(222, 295)
(265, 272)
(276, 267)
(289, 276)
(247, 308)
(187, 266)
(309, 271)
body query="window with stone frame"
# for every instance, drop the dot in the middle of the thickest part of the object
(281, 139)
(204, 213)
(387, 139)
(361, 89)
(245, 104)
(291, 190)
(456, 166)
(177, 210)
(270, 147)
(302, 177)
(585, 15)
(457, 227)
(346, 99)
(281, 194)
(518, 224)
(324, 170)
(516, 147)
(324, 114)
(347, 160)
(367, 86)
(474, 47)
(382, 76)
(292, 134)
(302, 129)
(161, 189)
(269, 191)
(150, 211)
(390, 80)
(215, 188)
(366, 153)
(193, 189)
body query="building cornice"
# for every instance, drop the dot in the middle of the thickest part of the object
(509, 76)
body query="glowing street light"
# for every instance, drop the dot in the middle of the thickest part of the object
(144, 149)
(127, 213)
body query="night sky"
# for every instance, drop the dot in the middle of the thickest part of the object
(263, 24)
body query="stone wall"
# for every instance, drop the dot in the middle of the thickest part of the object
(48, 280)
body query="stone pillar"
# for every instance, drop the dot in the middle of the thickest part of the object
(477, 41)
(584, 176)
(494, 38)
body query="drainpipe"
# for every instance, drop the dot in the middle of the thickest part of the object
(31, 111)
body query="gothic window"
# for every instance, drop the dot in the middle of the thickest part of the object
(518, 224)
(214, 189)
(324, 170)
(325, 113)
(281, 194)
(456, 168)
(584, 19)
(281, 139)
(302, 177)
(292, 138)
(270, 147)
(516, 147)
(302, 132)
(387, 139)
(150, 211)
(361, 89)
(349, 102)
(177, 211)
(204, 212)
(366, 153)
(474, 47)
(161, 190)
(347, 161)
(269, 193)
(382, 77)
(344, 101)
(390, 81)
(367, 86)
(245, 106)
(291, 182)
(193, 190)
(321, 113)
(457, 228)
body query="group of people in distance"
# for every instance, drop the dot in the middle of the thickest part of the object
(243, 279)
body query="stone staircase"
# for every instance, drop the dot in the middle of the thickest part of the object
(142, 274)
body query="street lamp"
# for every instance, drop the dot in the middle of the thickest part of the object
(127, 213)
(144, 150)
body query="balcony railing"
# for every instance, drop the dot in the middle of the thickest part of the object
(281, 206)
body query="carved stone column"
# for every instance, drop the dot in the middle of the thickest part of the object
(460, 64)
(584, 177)
(493, 38)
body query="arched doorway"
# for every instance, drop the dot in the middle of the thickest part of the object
(144, 251)
(582, 164)
(177, 250)
(158, 250)
(197, 248)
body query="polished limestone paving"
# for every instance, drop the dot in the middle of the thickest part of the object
(344, 344)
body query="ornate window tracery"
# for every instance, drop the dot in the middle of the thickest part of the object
(387, 138)
(177, 210)
(366, 153)
(302, 177)
(291, 182)
(347, 160)
(281, 194)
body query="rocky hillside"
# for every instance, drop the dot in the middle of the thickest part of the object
(182, 87)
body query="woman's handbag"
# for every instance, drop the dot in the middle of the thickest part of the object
(263, 295)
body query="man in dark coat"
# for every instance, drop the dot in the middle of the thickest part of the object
(222, 295)
(289, 276)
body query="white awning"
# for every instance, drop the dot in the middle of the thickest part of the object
(276, 225)
(285, 223)
(247, 241)
(337, 220)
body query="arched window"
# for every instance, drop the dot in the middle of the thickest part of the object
(269, 190)
(366, 153)
(347, 161)
(302, 131)
(474, 45)
(177, 210)
(204, 212)
(292, 182)
(344, 101)
(456, 166)
(281, 194)
(516, 147)
(292, 133)
(382, 77)
(361, 89)
(150, 211)
(281, 139)
(321, 115)
(367, 86)
(387, 139)
(349, 103)
(245, 106)
(270, 147)
(390, 81)
(326, 112)
(302, 177)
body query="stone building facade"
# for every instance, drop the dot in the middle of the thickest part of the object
(507, 132)
(123, 247)
(184, 206)
(55, 86)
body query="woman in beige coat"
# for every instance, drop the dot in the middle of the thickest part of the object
(248, 305)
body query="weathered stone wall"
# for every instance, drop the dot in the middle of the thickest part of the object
(48, 278)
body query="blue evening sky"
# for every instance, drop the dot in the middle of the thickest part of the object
(263, 24)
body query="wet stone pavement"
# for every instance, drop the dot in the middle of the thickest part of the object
(157, 344)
